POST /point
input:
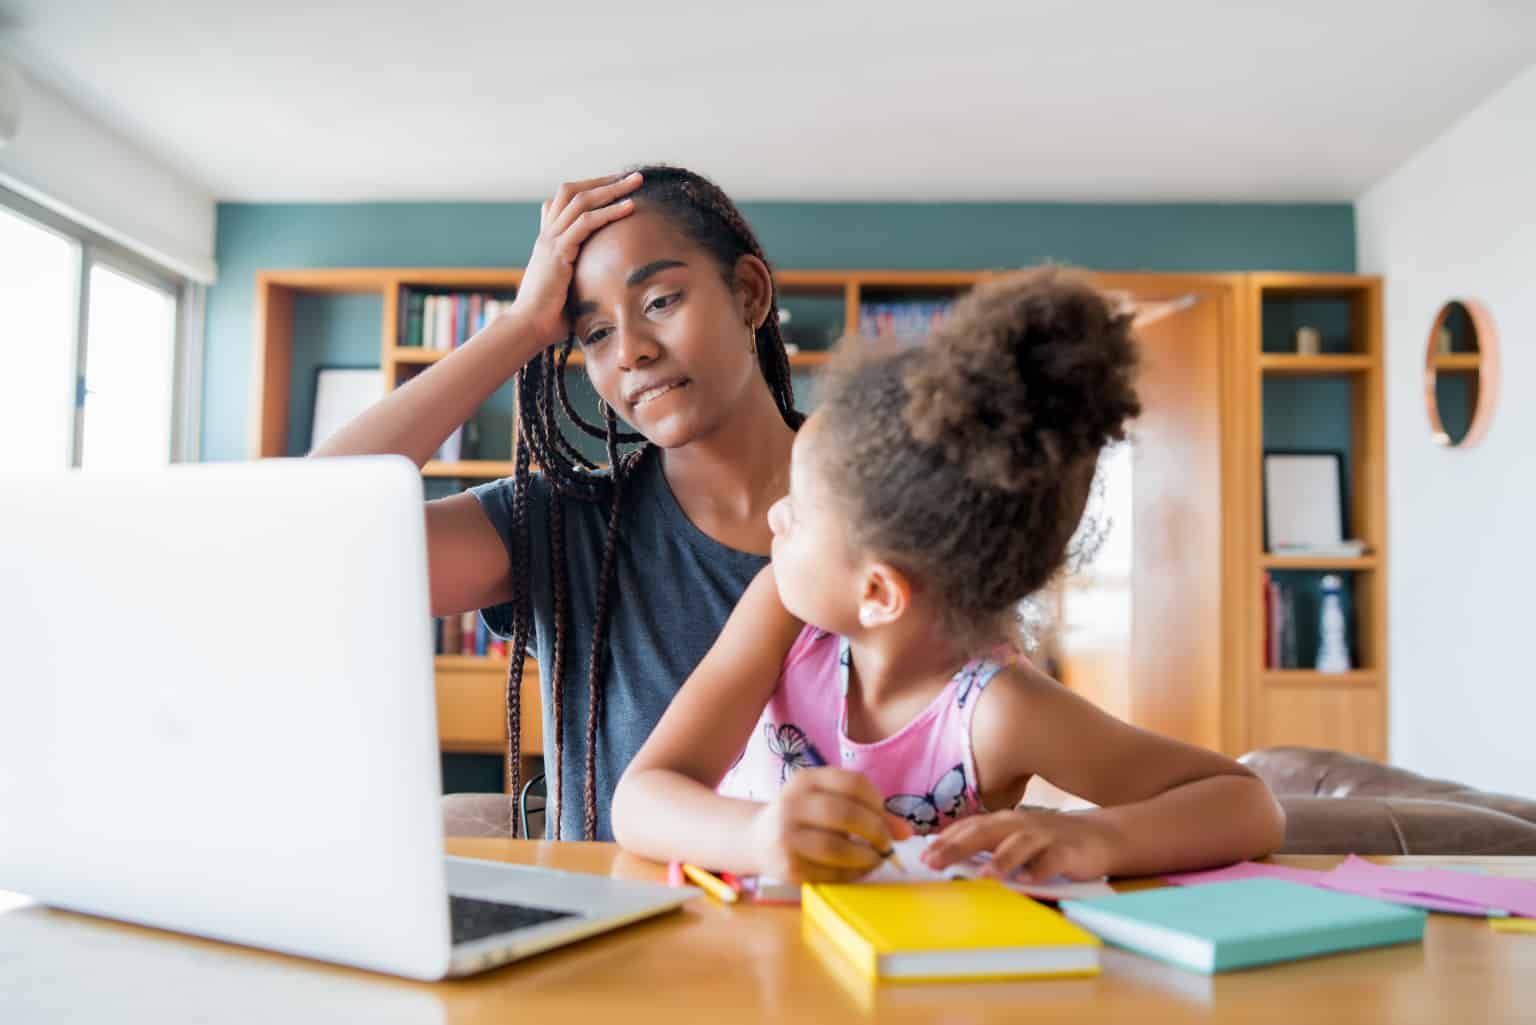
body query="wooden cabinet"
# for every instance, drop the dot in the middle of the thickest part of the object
(1183, 648)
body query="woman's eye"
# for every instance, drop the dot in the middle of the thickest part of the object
(663, 301)
(596, 336)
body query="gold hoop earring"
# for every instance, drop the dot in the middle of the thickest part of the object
(751, 338)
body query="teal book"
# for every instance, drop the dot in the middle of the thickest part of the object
(1216, 927)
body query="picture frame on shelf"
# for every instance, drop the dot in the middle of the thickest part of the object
(1303, 499)
(341, 393)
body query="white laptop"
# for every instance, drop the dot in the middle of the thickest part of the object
(217, 717)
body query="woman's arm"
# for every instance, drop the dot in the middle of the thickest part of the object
(468, 565)
(414, 419)
(1165, 805)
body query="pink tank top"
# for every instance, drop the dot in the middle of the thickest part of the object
(925, 769)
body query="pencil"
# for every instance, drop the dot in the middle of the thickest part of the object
(675, 874)
(732, 881)
(710, 884)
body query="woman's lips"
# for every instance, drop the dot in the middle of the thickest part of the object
(651, 392)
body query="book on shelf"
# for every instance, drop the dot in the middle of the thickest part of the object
(1351, 549)
(441, 321)
(910, 319)
(466, 634)
(1281, 643)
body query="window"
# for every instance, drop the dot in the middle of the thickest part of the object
(93, 339)
(125, 419)
(39, 289)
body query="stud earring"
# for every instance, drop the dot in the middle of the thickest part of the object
(866, 615)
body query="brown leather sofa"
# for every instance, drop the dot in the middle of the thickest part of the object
(1335, 803)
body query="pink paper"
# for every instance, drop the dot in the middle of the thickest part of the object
(1247, 870)
(1456, 893)
(1514, 895)
(1361, 887)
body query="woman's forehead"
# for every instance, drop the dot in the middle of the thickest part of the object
(615, 251)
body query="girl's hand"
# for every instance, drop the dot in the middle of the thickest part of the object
(565, 222)
(1040, 844)
(825, 825)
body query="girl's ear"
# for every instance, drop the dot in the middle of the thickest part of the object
(754, 289)
(887, 595)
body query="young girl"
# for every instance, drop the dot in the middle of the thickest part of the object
(867, 686)
(617, 580)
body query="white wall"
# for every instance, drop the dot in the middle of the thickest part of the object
(1459, 219)
(71, 163)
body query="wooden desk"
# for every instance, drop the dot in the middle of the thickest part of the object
(716, 964)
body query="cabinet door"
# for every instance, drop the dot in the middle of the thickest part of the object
(1338, 716)
(1140, 629)
(472, 702)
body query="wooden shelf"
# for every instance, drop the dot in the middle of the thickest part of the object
(1303, 283)
(461, 662)
(490, 469)
(1313, 678)
(416, 354)
(1457, 361)
(1251, 706)
(419, 356)
(1348, 363)
(1311, 562)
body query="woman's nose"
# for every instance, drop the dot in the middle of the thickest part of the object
(637, 346)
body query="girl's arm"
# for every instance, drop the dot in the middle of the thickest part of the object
(1165, 805)
(666, 808)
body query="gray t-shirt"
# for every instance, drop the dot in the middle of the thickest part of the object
(673, 588)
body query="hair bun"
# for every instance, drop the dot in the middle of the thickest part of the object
(1029, 375)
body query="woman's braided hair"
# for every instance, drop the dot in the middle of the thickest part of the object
(706, 215)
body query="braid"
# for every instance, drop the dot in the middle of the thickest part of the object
(522, 618)
(708, 216)
(600, 624)
(772, 358)
(570, 409)
(554, 381)
(557, 681)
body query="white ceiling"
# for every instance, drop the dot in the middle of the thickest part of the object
(1021, 100)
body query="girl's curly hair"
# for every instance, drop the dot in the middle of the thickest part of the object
(967, 461)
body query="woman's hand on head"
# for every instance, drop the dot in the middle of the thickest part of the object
(565, 222)
(1039, 844)
(825, 825)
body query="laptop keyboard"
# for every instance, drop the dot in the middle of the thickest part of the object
(472, 919)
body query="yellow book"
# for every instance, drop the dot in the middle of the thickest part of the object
(1514, 924)
(967, 929)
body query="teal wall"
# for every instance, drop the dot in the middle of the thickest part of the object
(960, 236)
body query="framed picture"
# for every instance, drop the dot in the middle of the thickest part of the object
(341, 393)
(1303, 498)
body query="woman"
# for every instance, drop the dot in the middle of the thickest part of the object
(618, 579)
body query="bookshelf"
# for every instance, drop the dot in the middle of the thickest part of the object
(1332, 400)
(1213, 343)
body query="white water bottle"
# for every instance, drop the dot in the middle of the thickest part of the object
(1332, 648)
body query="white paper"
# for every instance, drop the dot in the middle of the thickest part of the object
(906, 866)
